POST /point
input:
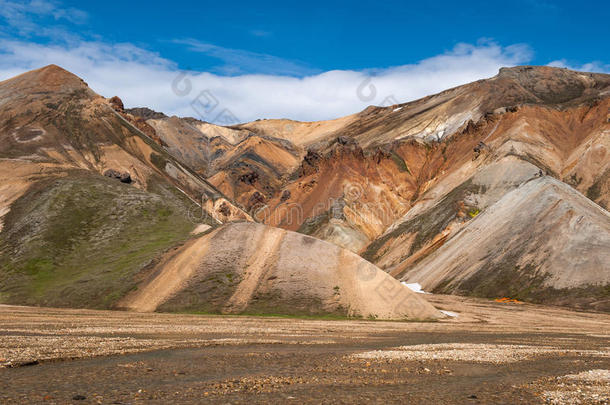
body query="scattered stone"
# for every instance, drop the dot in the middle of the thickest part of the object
(256, 199)
(249, 178)
(224, 209)
(79, 397)
(114, 174)
(480, 353)
(587, 387)
(598, 376)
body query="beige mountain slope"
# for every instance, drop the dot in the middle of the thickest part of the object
(252, 268)
(433, 221)
(570, 145)
(541, 242)
(299, 133)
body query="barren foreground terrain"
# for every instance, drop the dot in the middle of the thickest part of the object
(491, 353)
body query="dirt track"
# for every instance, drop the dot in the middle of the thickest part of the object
(162, 358)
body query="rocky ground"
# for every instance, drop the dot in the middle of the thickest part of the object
(491, 353)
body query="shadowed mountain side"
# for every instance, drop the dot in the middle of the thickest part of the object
(542, 242)
(252, 268)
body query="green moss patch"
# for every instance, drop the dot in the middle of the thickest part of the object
(79, 241)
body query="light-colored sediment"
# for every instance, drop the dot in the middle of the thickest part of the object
(169, 281)
(284, 271)
(480, 353)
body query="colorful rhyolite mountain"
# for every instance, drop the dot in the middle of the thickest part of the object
(495, 188)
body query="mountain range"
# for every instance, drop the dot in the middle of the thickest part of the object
(497, 188)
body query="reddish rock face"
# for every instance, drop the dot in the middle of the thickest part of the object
(143, 126)
(117, 103)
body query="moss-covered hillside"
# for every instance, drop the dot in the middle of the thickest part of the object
(80, 240)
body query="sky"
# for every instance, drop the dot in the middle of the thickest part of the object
(229, 62)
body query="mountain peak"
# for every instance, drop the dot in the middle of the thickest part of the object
(551, 85)
(526, 69)
(49, 78)
(529, 73)
(53, 68)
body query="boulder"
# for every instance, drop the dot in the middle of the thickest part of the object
(115, 174)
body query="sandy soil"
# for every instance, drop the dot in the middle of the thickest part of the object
(490, 353)
(259, 266)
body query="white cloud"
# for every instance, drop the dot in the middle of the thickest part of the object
(238, 61)
(594, 66)
(36, 17)
(143, 78)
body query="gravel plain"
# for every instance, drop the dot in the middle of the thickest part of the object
(491, 353)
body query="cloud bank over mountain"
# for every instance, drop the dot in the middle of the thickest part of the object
(246, 86)
(141, 77)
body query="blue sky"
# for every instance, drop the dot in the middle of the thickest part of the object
(302, 60)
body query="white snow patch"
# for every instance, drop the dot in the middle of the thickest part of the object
(397, 109)
(449, 313)
(415, 287)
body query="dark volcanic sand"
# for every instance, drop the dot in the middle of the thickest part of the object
(298, 361)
